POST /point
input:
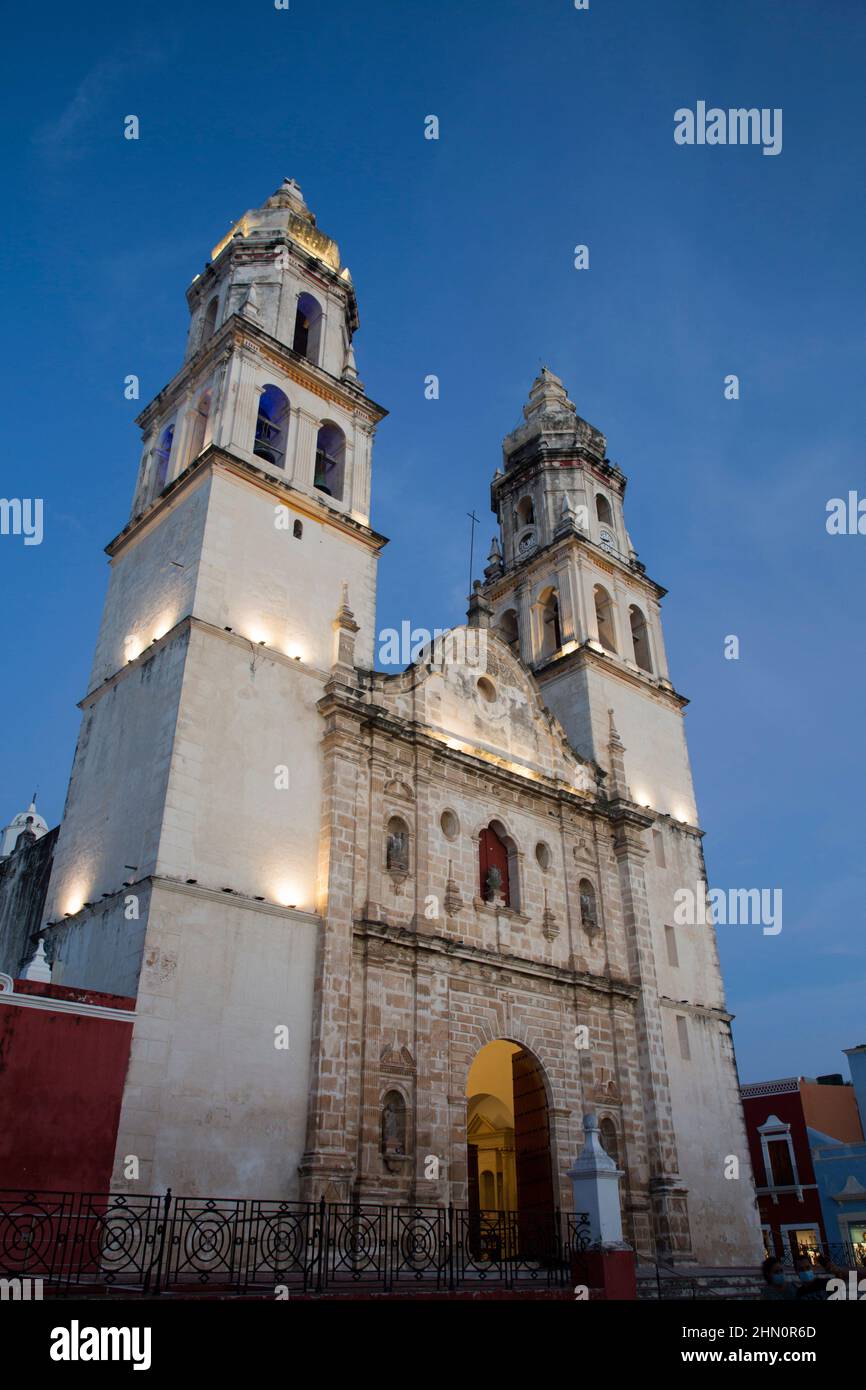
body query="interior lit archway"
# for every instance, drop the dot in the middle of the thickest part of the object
(508, 1133)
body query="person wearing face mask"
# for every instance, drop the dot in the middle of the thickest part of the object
(810, 1286)
(776, 1286)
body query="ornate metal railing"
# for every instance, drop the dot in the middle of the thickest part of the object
(157, 1244)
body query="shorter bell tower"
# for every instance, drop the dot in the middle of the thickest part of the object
(567, 591)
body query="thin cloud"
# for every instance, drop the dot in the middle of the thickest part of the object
(65, 134)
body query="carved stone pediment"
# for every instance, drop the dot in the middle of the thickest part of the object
(398, 787)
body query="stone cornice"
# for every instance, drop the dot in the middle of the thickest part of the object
(184, 625)
(585, 655)
(560, 547)
(218, 458)
(417, 944)
(239, 332)
(696, 1010)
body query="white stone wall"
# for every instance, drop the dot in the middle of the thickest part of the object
(211, 1106)
(114, 805)
(255, 577)
(651, 729)
(228, 821)
(710, 1129)
(152, 581)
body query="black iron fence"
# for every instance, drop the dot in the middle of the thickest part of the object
(74, 1242)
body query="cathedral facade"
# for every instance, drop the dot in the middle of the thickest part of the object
(391, 937)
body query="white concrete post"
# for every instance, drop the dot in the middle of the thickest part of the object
(595, 1183)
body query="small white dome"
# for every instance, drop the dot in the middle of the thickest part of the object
(25, 820)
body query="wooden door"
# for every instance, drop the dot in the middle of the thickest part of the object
(535, 1197)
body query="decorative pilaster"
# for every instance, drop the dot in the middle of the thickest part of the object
(327, 1168)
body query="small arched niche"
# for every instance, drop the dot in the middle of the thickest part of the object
(397, 857)
(525, 512)
(199, 434)
(603, 510)
(588, 906)
(308, 327)
(499, 866)
(509, 629)
(208, 321)
(609, 1139)
(604, 618)
(640, 638)
(330, 460)
(393, 1125)
(162, 459)
(551, 628)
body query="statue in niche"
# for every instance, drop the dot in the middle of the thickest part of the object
(398, 852)
(493, 885)
(394, 1125)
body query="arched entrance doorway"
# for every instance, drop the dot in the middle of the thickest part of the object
(510, 1172)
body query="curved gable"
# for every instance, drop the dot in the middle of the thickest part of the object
(474, 693)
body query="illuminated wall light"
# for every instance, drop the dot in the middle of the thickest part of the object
(286, 894)
(164, 625)
(132, 647)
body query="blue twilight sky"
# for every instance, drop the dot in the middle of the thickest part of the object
(556, 129)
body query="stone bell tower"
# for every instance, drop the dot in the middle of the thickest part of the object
(564, 586)
(186, 871)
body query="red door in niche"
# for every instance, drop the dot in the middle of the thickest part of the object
(493, 854)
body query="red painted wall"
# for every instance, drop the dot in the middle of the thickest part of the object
(61, 1085)
(785, 1210)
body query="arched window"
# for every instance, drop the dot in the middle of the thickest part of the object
(397, 846)
(640, 638)
(604, 618)
(525, 512)
(208, 323)
(602, 510)
(272, 426)
(163, 457)
(393, 1124)
(198, 429)
(509, 629)
(551, 631)
(298, 530)
(308, 327)
(330, 460)
(497, 855)
(609, 1141)
(588, 907)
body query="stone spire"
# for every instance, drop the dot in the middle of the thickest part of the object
(547, 396)
(494, 561)
(617, 785)
(345, 629)
(551, 421)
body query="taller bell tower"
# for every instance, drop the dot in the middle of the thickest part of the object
(187, 868)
